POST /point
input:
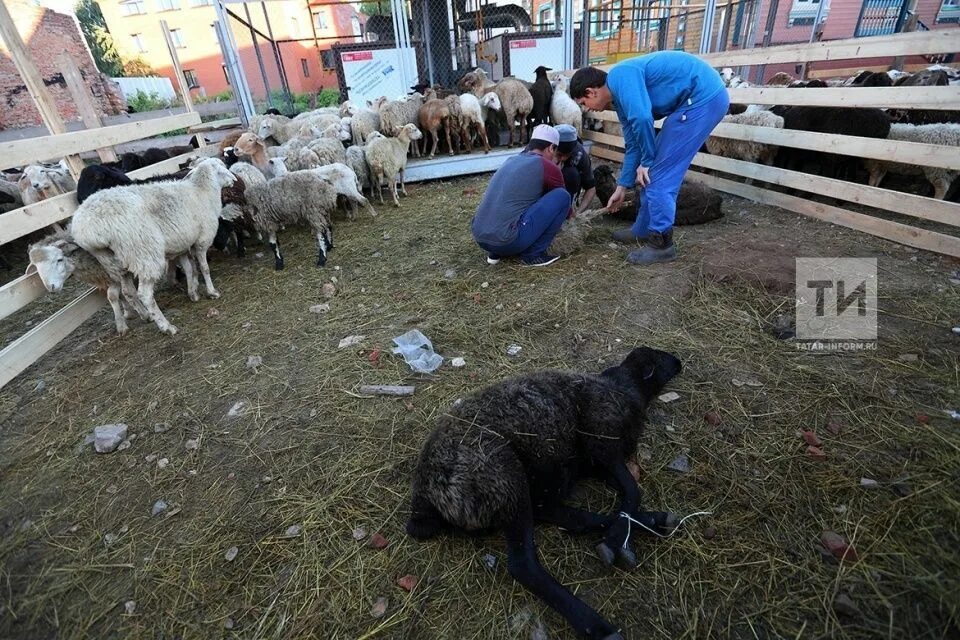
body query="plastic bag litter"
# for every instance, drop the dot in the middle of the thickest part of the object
(417, 351)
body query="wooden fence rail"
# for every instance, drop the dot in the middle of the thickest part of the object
(610, 146)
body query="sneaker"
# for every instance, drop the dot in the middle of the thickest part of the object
(493, 258)
(541, 260)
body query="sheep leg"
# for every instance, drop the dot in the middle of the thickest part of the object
(940, 187)
(523, 129)
(524, 566)
(321, 248)
(129, 291)
(483, 136)
(241, 249)
(393, 189)
(446, 130)
(275, 247)
(201, 255)
(403, 185)
(113, 297)
(192, 284)
(573, 520)
(379, 185)
(436, 138)
(616, 544)
(145, 293)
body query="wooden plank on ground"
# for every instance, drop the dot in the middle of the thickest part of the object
(930, 155)
(920, 42)
(31, 346)
(38, 91)
(880, 97)
(895, 231)
(17, 153)
(17, 294)
(905, 203)
(80, 93)
(216, 125)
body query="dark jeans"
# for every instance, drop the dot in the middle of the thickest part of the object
(537, 226)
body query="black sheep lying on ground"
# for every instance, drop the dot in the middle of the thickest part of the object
(508, 455)
(696, 203)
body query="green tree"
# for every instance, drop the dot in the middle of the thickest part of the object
(376, 8)
(98, 38)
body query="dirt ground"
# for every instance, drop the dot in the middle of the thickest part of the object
(290, 478)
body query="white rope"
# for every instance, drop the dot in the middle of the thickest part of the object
(624, 514)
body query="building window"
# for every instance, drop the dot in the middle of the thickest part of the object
(133, 8)
(328, 58)
(177, 36)
(138, 44)
(803, 13)
(320, 20)
(305, 67)
(949, 12)
(201, 3)
(606, 20)
(545, 17)
(168, 5)
(191, 77)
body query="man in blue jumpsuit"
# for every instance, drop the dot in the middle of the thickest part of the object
(691, 96)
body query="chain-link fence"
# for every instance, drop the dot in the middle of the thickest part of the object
(615, 32)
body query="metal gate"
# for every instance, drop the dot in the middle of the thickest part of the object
(881, 17)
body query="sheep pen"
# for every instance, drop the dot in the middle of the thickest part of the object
(276, 473)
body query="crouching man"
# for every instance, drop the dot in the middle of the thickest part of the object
(525, 204)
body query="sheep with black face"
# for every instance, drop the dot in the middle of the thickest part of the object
(509, 455)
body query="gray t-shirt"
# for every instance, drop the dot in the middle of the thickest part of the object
(517, 184)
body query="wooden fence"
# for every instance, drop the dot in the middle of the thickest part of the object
(945, 98)
(15, 295)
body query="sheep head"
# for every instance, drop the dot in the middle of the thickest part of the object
(250, 144)
(268, 127)
(51, 260)
(648, 369)
(491, 100)
(409, 132)
(212, 171)
(278, 165)
(42, 178)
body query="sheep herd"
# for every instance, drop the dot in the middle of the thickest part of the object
(928, 126)
(300, 170)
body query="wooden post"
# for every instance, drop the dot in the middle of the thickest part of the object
(84, 102)
(34, 82)
(178, 72)
(909, 25)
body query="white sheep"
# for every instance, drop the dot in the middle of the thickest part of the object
(363, 122)
(40, 182)
(10, 197)
(144, 225)
(743, 149)
(945, 134)
(387, 158)
(565, 110)
(395, 114)
(347, 184)
(357, 160)
(472, 115)
(517, 103)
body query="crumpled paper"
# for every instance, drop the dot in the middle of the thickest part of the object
(417, 351)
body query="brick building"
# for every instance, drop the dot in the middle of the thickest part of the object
(308, 34)
(47, 35)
